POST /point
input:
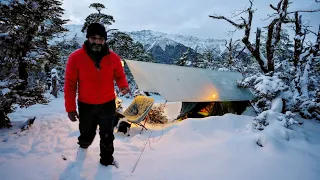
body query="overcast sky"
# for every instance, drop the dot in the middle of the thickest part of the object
(180, 16)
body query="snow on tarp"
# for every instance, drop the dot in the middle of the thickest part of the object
(187, 84)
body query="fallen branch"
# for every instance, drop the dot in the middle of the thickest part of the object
(27, 124)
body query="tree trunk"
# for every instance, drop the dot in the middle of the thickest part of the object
(4, 120)
(23, 75)
(297, 40)
(304, 80)
(55, 87)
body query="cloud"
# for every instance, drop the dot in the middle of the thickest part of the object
(180, 16)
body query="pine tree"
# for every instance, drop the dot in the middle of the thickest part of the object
(29, 25)
(208, 58)
(99, 17)
(184, 59)
(140, 54)
(64, 48)
(121, 43)
(126, 48)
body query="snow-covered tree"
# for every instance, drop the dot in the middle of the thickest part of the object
(121, 43)
(127, 48)
(55, 83)
(285, 72)
(99, 17)
(202, 60)
(184, 59)
(64, 48)
(26, 28)
(306, 76)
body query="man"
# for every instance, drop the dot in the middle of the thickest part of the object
(92, 70)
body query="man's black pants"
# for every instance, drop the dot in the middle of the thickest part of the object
(90, 117)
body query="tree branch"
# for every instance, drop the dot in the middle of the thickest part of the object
(240, 26)
(317, 44)
(246, 25)
(240, 52)
(225, 44)
(278, 6)
(311, 11)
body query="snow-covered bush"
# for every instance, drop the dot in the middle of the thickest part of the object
(265, 89)
(265, 118)
(308, 108)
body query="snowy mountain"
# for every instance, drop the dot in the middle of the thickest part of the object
(165, 48)
(151, 38)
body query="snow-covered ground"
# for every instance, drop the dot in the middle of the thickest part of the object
(222, 148)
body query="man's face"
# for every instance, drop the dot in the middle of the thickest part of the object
(96, 42)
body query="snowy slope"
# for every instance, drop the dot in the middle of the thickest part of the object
(74, 30)
(210, 148)
(151, 38)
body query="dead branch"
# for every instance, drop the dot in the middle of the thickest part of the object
(276, 8)
(225, 44)
(309, 11)
(238, 14)
(310, 31)
(317, 44)
(230, 48)
(274, 32)
(269, 16)
(240, 52)
(246, 25)
(240, 26)
(27, 124)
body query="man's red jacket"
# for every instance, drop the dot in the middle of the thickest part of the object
(95, 86)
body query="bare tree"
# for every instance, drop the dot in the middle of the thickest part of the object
(280, 17)
(232, 47)
(246, 25)
(303, 56)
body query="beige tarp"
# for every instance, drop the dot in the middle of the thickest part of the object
(187, 84)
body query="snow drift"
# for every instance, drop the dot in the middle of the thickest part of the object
(221, 148)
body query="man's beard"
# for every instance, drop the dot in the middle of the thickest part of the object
(96, 47)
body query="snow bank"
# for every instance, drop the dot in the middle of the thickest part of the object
(221, 147)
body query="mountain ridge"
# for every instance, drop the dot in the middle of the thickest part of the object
(151, 38)
(164, 47)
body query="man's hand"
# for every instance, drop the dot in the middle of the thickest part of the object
(73, 116)
(124, 90)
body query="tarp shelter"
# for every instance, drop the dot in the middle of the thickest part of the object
(188, 84)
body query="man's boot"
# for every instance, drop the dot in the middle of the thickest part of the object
(114, 163)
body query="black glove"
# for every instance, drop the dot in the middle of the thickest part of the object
(73, 116)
